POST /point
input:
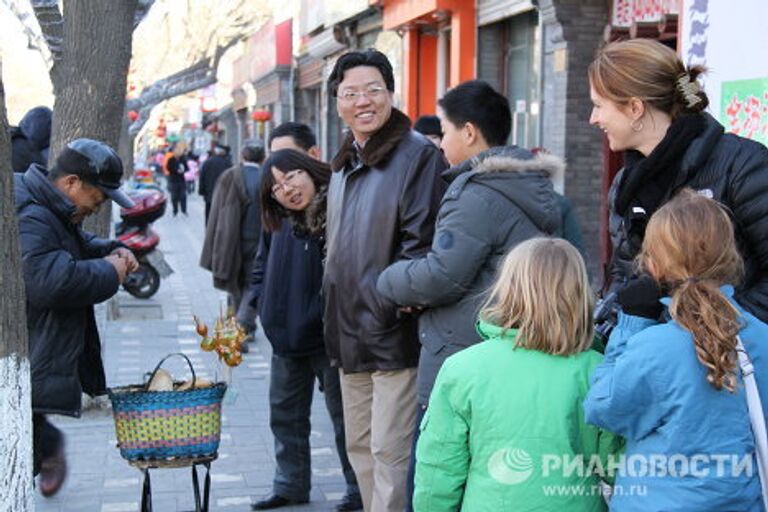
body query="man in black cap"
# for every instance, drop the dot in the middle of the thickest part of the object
(429, 126)
(66, 271)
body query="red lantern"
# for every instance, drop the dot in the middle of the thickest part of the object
(133, 115)
(261, 115)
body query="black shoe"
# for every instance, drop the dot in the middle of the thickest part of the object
(53, 472)
(276, 501)
(350, 502)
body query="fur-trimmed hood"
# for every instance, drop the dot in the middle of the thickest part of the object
(517, 174)
(378, 148)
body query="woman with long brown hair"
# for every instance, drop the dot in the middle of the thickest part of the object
(651, 107)
(674, 390)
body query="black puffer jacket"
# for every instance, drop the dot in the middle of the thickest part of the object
(382, 204)
(286, 283)
(733, 170)
(65, 276)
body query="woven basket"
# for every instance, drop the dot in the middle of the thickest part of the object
(153, 425)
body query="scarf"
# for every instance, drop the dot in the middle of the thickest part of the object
(647, 182)
(311, 221)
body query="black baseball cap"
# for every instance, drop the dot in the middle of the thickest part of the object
(98, 164)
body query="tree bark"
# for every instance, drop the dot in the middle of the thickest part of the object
(125, 148)
(90, 82)
(16, 491)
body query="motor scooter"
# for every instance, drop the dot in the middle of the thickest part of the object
(135, 232)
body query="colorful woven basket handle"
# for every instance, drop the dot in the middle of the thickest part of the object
(191, 368)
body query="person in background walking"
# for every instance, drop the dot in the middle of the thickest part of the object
(66, 271)
(674, 389)
(175, 166)
(382, 200)
(503, 406)
(651, 107)
(192, 172)
(232, 235)
(287, 280)
(213, 167)
(429, 126)
(31, 139)
(498, 197)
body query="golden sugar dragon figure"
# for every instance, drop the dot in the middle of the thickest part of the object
(227, 339)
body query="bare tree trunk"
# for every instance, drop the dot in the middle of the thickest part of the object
(125, 148)
(16, 491)
(90, 79)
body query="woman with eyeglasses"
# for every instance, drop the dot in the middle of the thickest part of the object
(285, 287)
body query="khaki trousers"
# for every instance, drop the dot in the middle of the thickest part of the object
(379, 416)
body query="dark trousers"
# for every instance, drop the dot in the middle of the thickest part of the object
(46, 440)
(178, 191)
(420, 411)
(291, 386)
(241, 300)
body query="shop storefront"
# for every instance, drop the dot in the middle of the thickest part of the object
(509, 58)
(439, 48)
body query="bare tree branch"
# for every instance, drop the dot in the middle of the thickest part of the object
(51, 24)
(36, 41)
(199, 75)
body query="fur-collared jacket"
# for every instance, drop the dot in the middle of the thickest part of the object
(382, 203)
(496, 200)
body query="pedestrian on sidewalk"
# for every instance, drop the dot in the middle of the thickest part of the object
(517, 397)
(177, 188)
(429, 126)
(66, 271)
(674, 389)
(383, 197)
(498, 196)
(210, 172)
(233, 231)
(651, 107)
(31, 139)
(192, 172)
(287, 280)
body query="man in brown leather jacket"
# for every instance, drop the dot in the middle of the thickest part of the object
(382, 201)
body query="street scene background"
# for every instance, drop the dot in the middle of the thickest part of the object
(136, 334)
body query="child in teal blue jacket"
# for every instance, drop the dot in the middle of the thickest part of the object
(674, 390)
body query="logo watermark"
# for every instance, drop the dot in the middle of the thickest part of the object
(510, 466)
(514, 466)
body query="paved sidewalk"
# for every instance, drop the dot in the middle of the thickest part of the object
(101, 481)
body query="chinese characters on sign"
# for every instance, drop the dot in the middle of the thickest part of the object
(698, 25)
(625, 12)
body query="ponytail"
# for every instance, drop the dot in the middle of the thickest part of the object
(702, 309)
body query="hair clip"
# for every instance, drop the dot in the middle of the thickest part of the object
(688, 90)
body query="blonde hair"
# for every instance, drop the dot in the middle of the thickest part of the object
(650, 71)
(690, 247)
(543, 291)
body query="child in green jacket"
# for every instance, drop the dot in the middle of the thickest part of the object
(505, 428)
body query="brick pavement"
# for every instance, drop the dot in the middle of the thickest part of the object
(101, 481)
